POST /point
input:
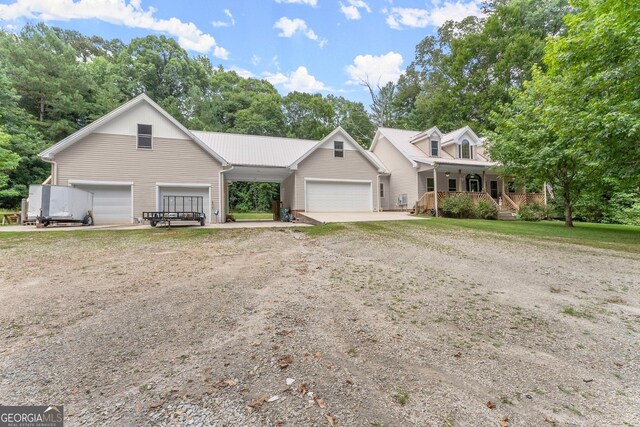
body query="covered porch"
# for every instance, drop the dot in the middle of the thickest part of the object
(479, 181)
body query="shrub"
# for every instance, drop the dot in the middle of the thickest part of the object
(486, 210)
(533, 212)
(458, 206)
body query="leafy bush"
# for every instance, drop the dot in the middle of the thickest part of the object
(533, 212)
(486, 210)
(458, 206)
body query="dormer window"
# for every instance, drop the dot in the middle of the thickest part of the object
(434, 148)
(145, 137)
(465, 151)
(338, 149)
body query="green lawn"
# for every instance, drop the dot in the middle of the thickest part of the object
(610, 236)
(252, 215)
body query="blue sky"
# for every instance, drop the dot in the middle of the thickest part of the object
(315, 46)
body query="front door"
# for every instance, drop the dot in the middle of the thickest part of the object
(474, 186)
(494, 189)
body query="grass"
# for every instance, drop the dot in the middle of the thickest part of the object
(610, 236)
(252, 216)
(401, 396)
(570, 311)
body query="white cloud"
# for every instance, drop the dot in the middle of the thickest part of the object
(312, 3)
(242, 72)
(220, 52)
(299, 80)
(399, 17)
(118, 12)
(289, 27)
(230, 23)
(375, 69)
(255, 59)
(351, 10)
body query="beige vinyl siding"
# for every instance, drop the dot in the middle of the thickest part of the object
(425, 145)
(451, 150)
(323, 165)
(287, 191)
(105, 157)
(403, 175)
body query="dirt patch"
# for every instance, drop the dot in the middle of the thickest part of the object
(391, 325)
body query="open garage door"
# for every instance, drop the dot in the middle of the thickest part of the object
(111, 203)
(338, 196)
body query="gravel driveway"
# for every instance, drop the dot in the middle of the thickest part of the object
(377, 325)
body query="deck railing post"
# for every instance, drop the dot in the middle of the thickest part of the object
(435, 189)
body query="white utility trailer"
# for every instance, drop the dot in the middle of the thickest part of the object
(58, 203)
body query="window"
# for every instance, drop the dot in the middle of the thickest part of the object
(381, 190)
(464, 150)
(453, 184)
(434, 148)
(430, 185)
(338, 149)
(145, 138)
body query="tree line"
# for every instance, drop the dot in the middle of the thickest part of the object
(55, 81)
(553, 84)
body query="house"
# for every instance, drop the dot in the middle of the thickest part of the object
(424, 167)
(134, 156)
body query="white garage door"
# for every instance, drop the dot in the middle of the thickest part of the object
(111, 203)
(184, 199)
(336, 196)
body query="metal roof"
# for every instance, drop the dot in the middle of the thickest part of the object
(251, 150)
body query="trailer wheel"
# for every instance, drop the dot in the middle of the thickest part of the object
(153, 223)
(87, 220)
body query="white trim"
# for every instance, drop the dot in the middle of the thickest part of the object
(91, 182)
(358, 181)
(74, 182)
(184, 185)
(50, 152)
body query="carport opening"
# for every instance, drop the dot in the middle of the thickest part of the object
(254, 201)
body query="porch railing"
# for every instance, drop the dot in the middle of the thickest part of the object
(520, 199)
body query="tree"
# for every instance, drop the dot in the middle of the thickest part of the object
(459, 76)
(384, 111)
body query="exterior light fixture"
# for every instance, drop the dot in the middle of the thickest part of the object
(447, 173)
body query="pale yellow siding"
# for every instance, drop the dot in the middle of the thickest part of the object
(323, 165)
(403, 175)
(105, 157)
(385, 200)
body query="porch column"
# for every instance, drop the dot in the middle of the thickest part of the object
(435, 189)
(544, 189)
(484, 182)
(460, 181)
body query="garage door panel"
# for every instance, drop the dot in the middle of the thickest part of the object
(111, 203)
(335, 196)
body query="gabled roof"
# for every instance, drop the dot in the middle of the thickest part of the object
(455, 136)
(50, 152)
(426, 134)
(402, 140)
(251, 150)
(379, 166)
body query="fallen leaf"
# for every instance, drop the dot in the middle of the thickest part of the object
(285, 333)
(458, 354)
(588, 381)
(550, 421)
(256, 403)
(285, 361)
(225, 383)
(491, 405)
(273, 399)
(350, 382)
(504, 422)
(302, 389)
(330, 419)
(320, 402)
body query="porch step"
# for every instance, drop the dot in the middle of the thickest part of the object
(506, 216)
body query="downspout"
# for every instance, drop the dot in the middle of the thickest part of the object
(223, 213)
(54, 170)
